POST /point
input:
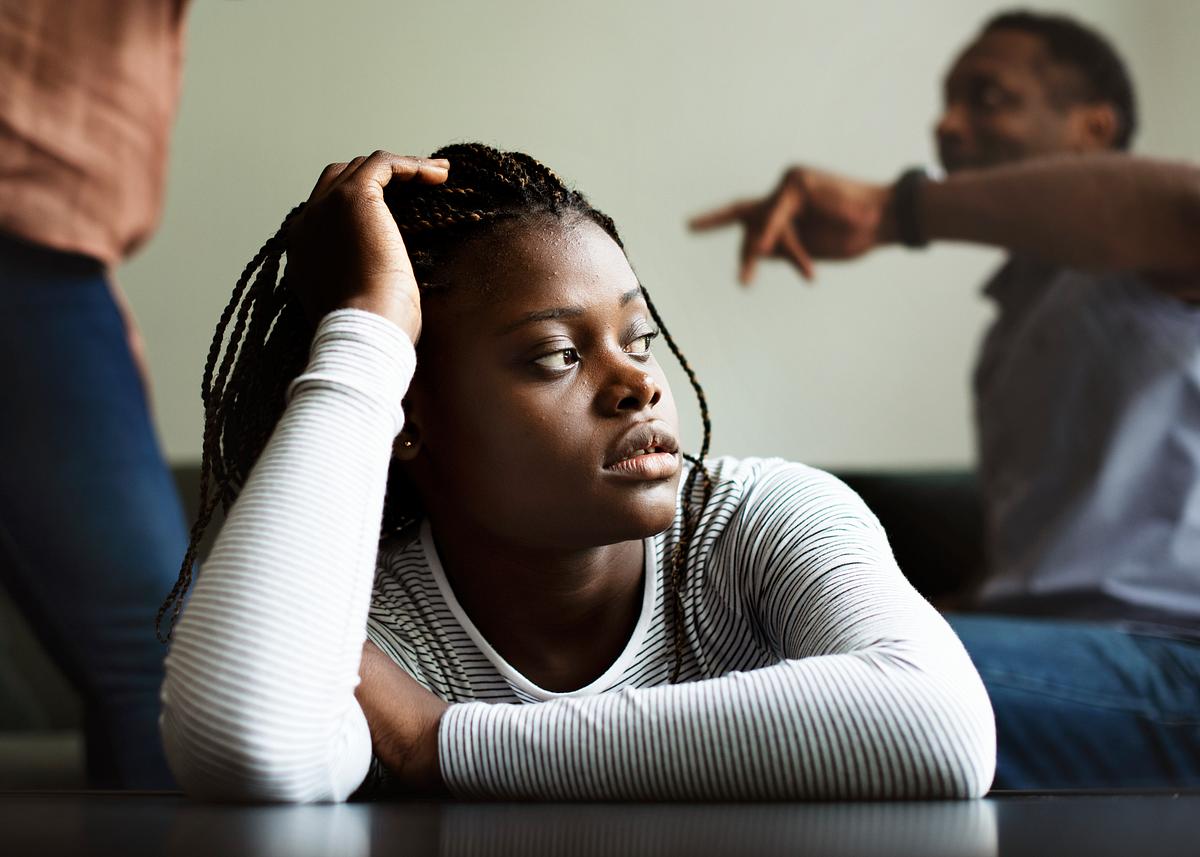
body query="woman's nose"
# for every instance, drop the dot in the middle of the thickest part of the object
(631, 390)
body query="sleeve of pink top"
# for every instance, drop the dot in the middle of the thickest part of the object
(258, 700)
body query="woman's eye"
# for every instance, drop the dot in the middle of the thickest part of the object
(641, 345)
(563, 358)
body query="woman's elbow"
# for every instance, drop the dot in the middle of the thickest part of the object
(213, 759)
(967, 764)
(949, 741)
(968, 772)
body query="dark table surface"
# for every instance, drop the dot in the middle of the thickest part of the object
(1127, 824)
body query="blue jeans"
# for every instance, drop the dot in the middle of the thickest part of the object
(1087, 706)
(91, 529)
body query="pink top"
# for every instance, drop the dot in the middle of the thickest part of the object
(88, 92)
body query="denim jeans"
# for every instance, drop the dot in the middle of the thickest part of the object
(91, 529)
(1087, 706)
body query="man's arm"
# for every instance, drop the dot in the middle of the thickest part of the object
(1106, 212)
(1099, 212)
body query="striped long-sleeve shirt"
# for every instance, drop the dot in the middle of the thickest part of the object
(812, 668)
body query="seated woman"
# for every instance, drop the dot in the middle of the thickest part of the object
(659, 627)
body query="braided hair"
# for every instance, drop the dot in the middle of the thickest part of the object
(262, 340)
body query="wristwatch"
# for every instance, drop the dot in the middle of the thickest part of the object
(904, 203)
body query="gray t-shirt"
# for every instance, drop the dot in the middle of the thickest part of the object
(1087, 404)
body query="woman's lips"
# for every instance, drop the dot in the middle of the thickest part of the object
(648, 466)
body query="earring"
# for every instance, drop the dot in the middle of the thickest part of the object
(406, 443)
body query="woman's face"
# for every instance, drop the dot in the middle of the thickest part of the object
(540, 414)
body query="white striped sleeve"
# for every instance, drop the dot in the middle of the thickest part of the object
(874, 697)
(258, 699)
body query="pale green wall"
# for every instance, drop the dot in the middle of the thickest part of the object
(656, 110)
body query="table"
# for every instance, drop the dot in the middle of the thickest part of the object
(45, 824)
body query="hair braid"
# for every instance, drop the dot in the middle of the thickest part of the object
(691, 516)
(247, 373)
(214, 481)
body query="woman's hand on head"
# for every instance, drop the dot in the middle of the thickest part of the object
(344, 249)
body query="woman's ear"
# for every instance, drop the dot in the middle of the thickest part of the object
(408, 443)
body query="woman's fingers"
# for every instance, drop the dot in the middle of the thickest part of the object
(325, 181)
(345, 249)
(382, 167)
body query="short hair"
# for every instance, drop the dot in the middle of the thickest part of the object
(1104, 75)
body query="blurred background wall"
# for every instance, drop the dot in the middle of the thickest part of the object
(657, 109)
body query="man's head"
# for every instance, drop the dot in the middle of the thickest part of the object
(1033, 85)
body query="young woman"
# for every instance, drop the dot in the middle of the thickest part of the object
(659, 626)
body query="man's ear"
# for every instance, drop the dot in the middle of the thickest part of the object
(1094, 127)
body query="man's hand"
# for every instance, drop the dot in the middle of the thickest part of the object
(810, 215)
(403, 718)
(344, 250)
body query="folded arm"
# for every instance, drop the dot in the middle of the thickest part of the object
(258, 700)
(874, 697)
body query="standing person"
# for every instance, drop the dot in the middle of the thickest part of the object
(1087, 393)
(91, 530)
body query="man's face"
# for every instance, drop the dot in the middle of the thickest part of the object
(1000, 104)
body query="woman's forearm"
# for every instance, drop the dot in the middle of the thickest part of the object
(874, 696)
(258, 701)
(868, 725)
